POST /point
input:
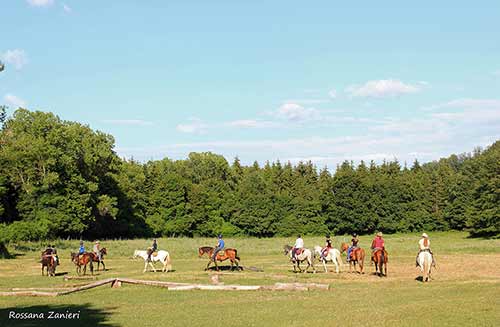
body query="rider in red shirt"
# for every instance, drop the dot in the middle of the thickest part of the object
(378, 242)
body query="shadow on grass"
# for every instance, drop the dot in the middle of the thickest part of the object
(61, 273)
(55, 315)
(226, 268)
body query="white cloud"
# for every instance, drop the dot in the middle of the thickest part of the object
(14, 101)
(467, 103)
(67, 9)
(332, 94)
(40, 3)
(16, 58)
(196, 126)
(382, 88)
(294, 112)
(129, 122)
(251, 123)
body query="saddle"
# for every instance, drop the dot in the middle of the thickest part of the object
(299, 251)
(221, 253)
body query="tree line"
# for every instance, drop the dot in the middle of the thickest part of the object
(62, 179)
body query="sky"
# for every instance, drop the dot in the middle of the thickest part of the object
(261, 80)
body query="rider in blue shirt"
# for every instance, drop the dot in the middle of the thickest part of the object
(219, 247)
(82, 248)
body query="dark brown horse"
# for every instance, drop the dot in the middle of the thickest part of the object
(357, 257)
(229, 253)
(49, 261)
(83, 260)
(380, 258)
(95, 258)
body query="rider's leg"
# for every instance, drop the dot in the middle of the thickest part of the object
(349, 249)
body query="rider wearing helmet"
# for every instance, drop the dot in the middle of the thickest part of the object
(219, 247)
(354, 245)
(328, 246)
(152, 249)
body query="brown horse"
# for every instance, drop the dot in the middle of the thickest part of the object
(95, 258)
(83, 260)
(49, 261)
(380, 258)
(229, 253)
(204, 250)
(357, 257)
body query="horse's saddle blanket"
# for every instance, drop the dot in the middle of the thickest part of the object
(154, 254)
(299, 251)
(221, 253)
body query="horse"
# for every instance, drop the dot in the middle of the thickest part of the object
(229, 253)
(204, 250)
(95, 258)
(49, 261)
(162, 256)
(306, 255)
(333, 255)
(380, 258)
(83, 260)
(357, 257)
(425, 263)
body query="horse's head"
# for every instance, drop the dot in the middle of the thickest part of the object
(104, 251)
(286, 249)
(136, 254)
(200, 252)
(343, 247)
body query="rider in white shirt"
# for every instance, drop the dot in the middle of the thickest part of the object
(299, 244)
(424, 244)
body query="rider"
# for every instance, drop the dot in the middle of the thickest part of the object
(424, 244)
(153, 248)
(54, 253)
(328, 246)
(219, 247)
(354, 241)
(378, 243)
(299, 244)
(97, 250)
(81, 250)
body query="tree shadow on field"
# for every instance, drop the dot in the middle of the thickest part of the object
(62, 315)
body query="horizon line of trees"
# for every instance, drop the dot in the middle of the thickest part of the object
(63, 179)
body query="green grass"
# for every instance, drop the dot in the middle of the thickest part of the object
(465, 289)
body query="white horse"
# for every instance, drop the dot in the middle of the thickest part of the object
(306, 255)
(333, 255)
(161, 256)
(425, 263)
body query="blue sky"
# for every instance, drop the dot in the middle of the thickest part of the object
(262, 80)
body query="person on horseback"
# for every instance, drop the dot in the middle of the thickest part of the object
(153, 248)
(378, 243)
(219, 247)
(48, 250)
(54, 254)
(97, 250)
(424, 244)
(299, 244)
(326, 249)
(81, 250)
(354, 245)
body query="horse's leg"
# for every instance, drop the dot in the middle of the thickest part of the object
(103, 266)
(145, 266)
(324, 265)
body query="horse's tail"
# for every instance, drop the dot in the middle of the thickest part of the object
(168, 262)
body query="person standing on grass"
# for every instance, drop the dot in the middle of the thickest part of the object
(219, 247)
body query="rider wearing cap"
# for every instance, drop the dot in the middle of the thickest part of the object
(354, 245)
(424, 244)
(219, 247)
(81, 250)
(152, 249)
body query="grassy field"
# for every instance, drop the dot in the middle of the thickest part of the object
(465, 289)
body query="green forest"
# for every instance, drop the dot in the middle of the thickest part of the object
(62, 179)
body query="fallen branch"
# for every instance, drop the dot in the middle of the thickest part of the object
(79, 277)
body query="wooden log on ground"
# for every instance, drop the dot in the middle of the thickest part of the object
(300, 286)
(88, 286)
(29, 293)
(215, 287)
(80, 277)
(21, 289)
(150, 282)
